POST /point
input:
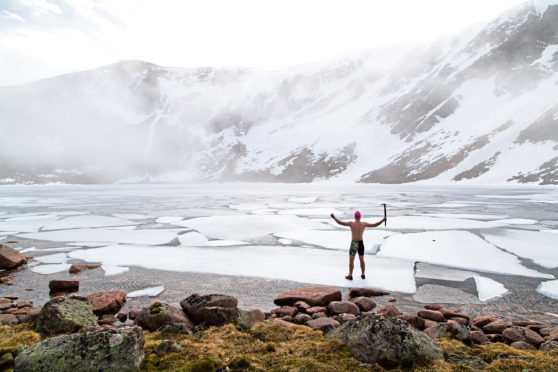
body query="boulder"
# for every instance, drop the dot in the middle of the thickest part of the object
(302, 318)
(284, 311)
(65, 315)
(460, 320)
(451, 330)
(213, 309)
(282, 323)
(78, 268)
(122, 317)
(8, 319)
(287, 318)
(316, 309)
(167, 346)
(494, 337)
(343, 307)
(513, 334)
(10, 258)
(522, 345)
(313, 296)
(533, 337)
(319, 315)
(301, 306)
(117, 349)
(414, 320)
(342, 318)
(525, 323)
(478, 338)
(387, 341)
(497, 326)
(364, 303)
(431, 315)
(107, 319)
(247, 319)
(56, 286)
(448, 314)
(21, 304)
(481, 321)
(549, 345)
(433, 307)
(388, 310)
(31, 315)
(132, 314)
(107, 302)
(160, 314)
(367, 292)
(323, 324)
(553, 335)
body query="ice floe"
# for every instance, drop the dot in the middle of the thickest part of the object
(302, 199)
(193, 239)
(311, 212)
(76, 222)
(131, 216)
(111, 270)
(434, 223)
(155, 236)
(539, 246)
(88, 244)
(57, 258)
(169, 219)
(291, 263)
(244, 227)
(27, 223)
(517, 221)
(549, 289)
(336, 239)
(147, 292)
(471, 216)
(285, 241)
(488, 288)
(30, 249)
(225, 243)
(458, 249)
(50, 269)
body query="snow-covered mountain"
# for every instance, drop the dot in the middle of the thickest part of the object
(478, 107)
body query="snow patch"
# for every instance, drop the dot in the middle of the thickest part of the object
(488, 288)
(151, 237)
(549, 289)
(50, 269)
(193, 239)
(147, 292)
(58, 258)
(111, 270)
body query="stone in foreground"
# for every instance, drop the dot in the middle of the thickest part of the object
(213, 309)
(107, 302)
(118, 349)
(160, 314)
(10, 258)
(387, 341)
(313, 296)
(65, 315)
(56, 286)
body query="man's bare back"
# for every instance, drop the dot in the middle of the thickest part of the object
(357, 226)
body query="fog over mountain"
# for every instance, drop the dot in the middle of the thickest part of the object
(479, 107)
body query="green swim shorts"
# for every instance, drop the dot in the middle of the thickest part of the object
(356, 246)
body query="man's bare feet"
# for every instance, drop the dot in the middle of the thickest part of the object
(363, 276)
(349, 277)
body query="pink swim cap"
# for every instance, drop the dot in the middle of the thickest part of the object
(357, 215)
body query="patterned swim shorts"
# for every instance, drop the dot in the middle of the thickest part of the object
(356, 246)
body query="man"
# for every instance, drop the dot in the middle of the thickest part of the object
(357, 229)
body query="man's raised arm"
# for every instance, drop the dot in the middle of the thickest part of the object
(340, 222)
(375, 224)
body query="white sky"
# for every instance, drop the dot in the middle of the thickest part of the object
(41, 38)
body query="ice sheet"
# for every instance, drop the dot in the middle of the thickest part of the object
(155, 237)
(539, 246)
(434, 223)
(517, 221)
(50, 269)
(549, 289)
(27, 223)
(336, 239)
(458, 249)
(291, 263)
(225, 243)
(169, 219)
(30, 249)
(147, 292)
(302, 199)
(111, 270)
(311, 212)
(286, 241)
(57, 258)
(131, 216)
(488, 288)
(193, 239)
(244, 227)
(87, 244)
(471, 216)
(76, 222)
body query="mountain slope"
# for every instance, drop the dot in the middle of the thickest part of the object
(474, 108)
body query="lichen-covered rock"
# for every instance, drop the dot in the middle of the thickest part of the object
(65, 315)
(167, 346)
(248, 318)
(548, 345)
(117, 349)
(314, 296)
(160, 314)
(213, 309)
(10, 258)
(175, 329)
(387, 341)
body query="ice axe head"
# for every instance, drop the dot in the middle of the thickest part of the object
(385, 214)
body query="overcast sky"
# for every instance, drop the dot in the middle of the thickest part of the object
(41, 38)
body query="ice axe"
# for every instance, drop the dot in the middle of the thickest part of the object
(385, 214)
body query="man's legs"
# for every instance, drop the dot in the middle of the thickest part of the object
(351, 266)
(362, 265)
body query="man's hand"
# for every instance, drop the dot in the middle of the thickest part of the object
(332, 215)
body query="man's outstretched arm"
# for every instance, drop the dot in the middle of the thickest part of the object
(375, 224)
(339, 221)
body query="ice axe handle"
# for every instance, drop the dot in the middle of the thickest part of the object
(385, 215)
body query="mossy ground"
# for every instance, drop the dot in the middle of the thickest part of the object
(269, 347)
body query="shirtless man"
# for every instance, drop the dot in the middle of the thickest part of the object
(357, 229)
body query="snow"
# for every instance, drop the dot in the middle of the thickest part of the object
(290, 263)
(285, 241)
(169, 219)
(312, 212)
(517, 221)
(87, 244)
(302, 199)
(193, 239)
(245, 227)
(111, 270)
(154, 237)
(539, 246)
(147, 292)
(75, 222)
(488, 288)
(58, 258)
(335, 239)
(458, 249)
(50, 269)
(549, 289)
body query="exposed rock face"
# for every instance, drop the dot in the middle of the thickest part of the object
(10, 258)
(388, 341)
(214, 309)
(107, 302)
(78, 268)
(117, 349)
(65, 315)
(314, 296)
(160, 314)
